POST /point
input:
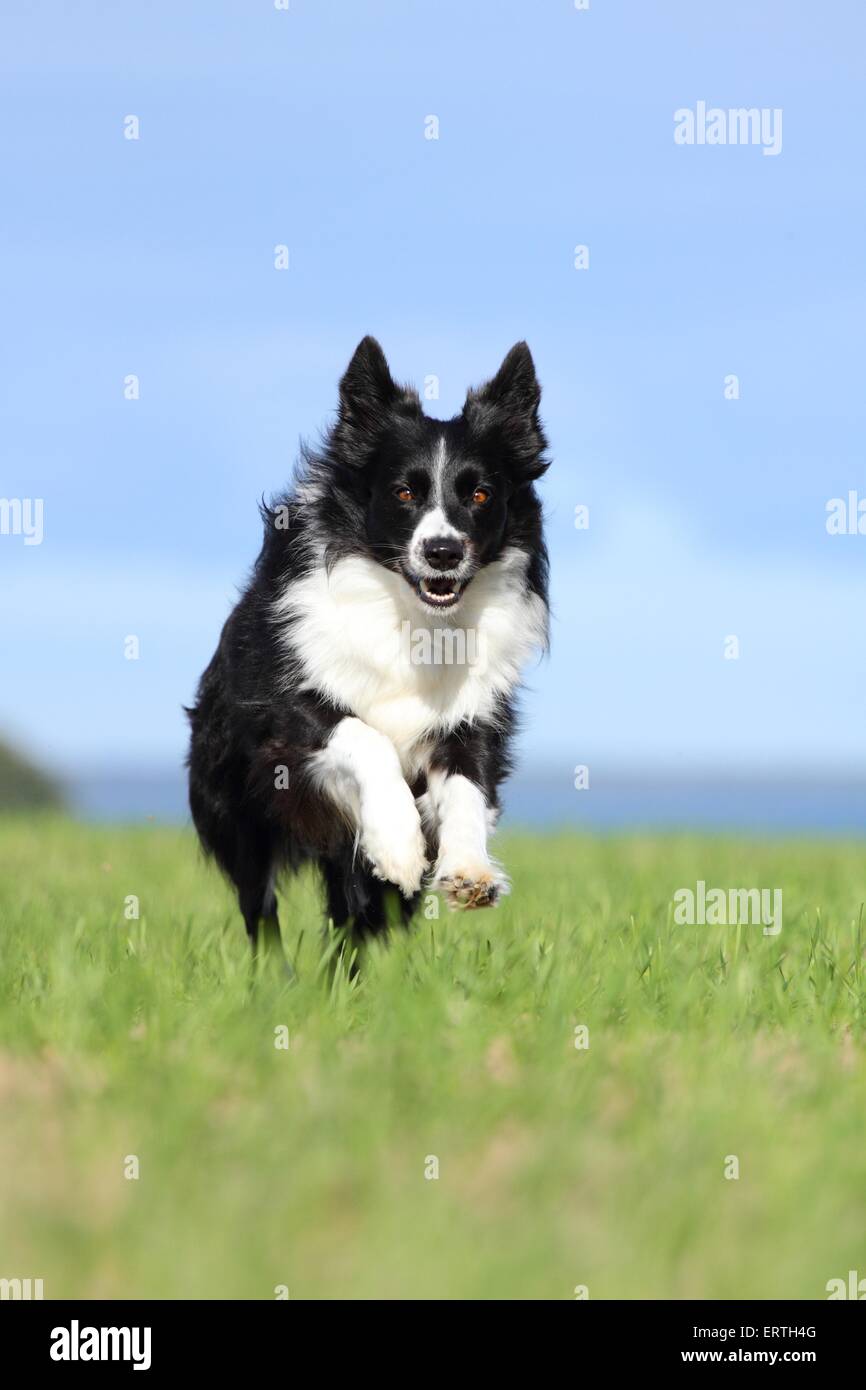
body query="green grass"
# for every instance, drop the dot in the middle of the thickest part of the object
(305, 1167)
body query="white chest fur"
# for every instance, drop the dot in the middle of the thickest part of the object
(360, 636)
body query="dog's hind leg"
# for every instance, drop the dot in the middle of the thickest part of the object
(259, 907)
(253, 873)
(355, 897)
(358, 903)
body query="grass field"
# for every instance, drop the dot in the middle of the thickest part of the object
(264, 1166)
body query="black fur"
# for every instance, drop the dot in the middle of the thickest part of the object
(246, 721)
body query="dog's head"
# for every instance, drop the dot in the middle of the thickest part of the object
(440, 499)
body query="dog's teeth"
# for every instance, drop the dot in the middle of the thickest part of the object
(437, 597)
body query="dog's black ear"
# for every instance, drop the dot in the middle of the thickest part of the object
(507, 406)
(368, 393)
(515, 386)
(367, 383)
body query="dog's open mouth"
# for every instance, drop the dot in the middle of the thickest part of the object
(440, 593)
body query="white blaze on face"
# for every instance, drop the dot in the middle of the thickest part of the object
(439, 462)
(434, 524)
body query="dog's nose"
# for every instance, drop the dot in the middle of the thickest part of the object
(443, 552)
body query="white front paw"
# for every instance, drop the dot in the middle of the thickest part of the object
(392, 838)
(468, 882)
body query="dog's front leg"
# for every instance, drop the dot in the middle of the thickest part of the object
(360, 770)
(465, 873)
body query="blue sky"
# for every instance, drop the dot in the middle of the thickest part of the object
(260, 127)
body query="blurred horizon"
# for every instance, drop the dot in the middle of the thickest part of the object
(615, 799)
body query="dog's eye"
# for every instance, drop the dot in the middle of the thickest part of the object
(480, 496)
(404, 494)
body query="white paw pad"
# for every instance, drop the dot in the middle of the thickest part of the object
(471, 887)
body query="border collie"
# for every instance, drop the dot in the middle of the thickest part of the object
(359, 709)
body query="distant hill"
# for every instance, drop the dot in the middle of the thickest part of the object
(23, 786)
